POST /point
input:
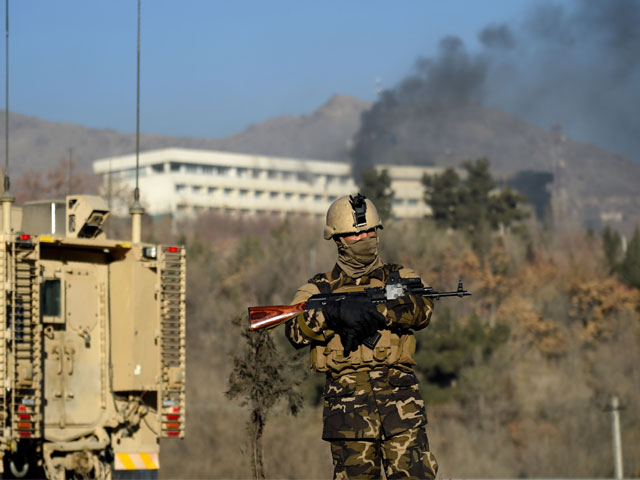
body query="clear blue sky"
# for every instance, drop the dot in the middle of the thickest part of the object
(211, 68)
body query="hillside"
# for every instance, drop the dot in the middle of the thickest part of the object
(38, 144)
(324, 134)
(589, 185)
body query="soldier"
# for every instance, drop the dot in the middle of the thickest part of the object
(373, 413)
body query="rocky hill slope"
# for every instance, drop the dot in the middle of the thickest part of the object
(590, 185)
(323, 134)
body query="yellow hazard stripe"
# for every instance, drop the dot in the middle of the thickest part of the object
(126, 461)
(148, 463)
(137, 461)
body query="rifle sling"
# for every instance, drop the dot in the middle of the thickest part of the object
(308, 332)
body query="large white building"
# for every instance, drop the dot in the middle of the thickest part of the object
(188, 182)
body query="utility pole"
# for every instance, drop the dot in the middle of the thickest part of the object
(617, 438)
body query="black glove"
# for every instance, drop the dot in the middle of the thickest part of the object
(355, 318)
(333, 317)
(357, 312)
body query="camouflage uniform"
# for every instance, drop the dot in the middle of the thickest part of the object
(373, 412)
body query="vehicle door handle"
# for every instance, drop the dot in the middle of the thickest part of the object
(55, 351)
(69, 351)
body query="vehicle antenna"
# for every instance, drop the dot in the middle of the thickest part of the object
(69, 169)
(6, 198)
(137, 210)
(6, 110)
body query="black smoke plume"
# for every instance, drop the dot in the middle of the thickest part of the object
(573, 64)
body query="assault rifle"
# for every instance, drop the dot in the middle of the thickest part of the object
(274, 315)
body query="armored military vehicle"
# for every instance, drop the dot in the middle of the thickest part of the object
(92, 343)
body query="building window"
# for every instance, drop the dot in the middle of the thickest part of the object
(398, 202)
(212, 190)
(317, 198)
(258, 193)
(255, 173)
(175, 167)
(412, 202)
(288, 196)
(191, 168)
(273, 194)
(244, 192)
(228, 191)
(157, 168)
(303, 197)
(287, 175)
(332, 198)
(272, 174)
(180, 188)
(243, 172)
(207, 170)
(128, 173)
(195, 188)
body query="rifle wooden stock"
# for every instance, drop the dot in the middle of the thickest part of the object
(273, 315)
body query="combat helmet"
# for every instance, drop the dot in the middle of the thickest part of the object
(351, 214)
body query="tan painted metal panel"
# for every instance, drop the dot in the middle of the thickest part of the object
(135, 324)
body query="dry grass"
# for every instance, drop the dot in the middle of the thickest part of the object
(534, 409)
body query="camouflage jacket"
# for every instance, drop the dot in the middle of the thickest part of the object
(402, 315)
(369, 393)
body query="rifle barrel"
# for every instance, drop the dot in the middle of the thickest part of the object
(437, 295)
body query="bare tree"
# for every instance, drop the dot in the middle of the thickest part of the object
(261, 377)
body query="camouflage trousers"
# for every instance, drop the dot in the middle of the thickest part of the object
(405, 455)
(377, 417)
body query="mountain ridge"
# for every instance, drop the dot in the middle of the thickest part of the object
(589, 183)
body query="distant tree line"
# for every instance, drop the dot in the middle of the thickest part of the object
(470, 203)
(473, 204)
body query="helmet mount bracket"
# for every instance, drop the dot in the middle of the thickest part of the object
(359, 210)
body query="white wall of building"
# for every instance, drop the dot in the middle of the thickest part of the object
(186, 182)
